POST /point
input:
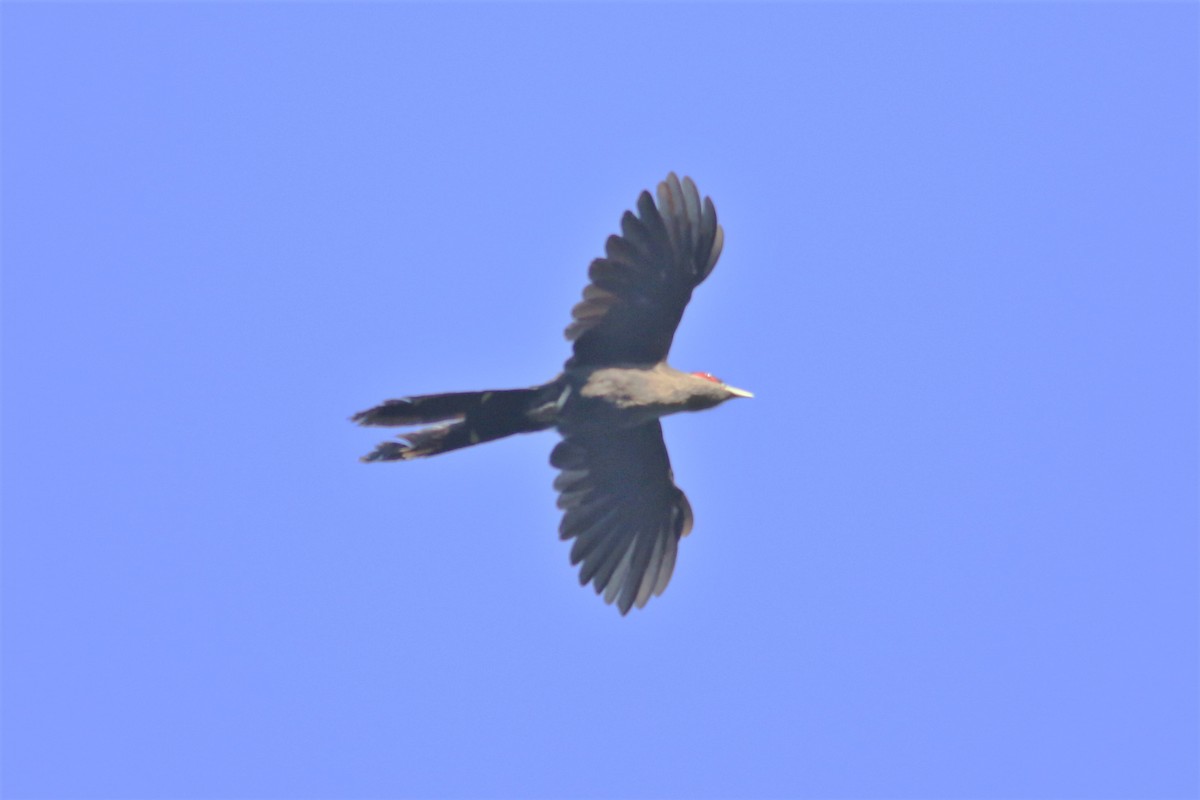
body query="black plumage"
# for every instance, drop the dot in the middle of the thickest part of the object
(621, 507)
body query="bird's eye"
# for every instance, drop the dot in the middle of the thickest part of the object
(708, 376)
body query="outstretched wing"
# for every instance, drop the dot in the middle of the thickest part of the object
(624, 511)
(638, 291)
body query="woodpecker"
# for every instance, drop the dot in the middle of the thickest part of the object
(616, 488)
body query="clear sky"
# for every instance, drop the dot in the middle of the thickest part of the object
(949, 551)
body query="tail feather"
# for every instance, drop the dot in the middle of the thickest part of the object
(464, 419)
(424, 442)
(427, 408)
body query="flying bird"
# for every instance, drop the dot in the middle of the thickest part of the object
(616, 488)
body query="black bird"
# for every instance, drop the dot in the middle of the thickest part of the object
(616, 488)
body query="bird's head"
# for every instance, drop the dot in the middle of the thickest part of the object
(709, 391)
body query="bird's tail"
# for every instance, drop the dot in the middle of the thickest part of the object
(463, 419)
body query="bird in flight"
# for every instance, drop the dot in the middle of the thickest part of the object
(616, 488)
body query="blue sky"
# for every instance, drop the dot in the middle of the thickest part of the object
(950, 550)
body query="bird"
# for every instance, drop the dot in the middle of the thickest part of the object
(621, 508)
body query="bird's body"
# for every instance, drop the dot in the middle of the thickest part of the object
(605, 398)
(620, 502)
